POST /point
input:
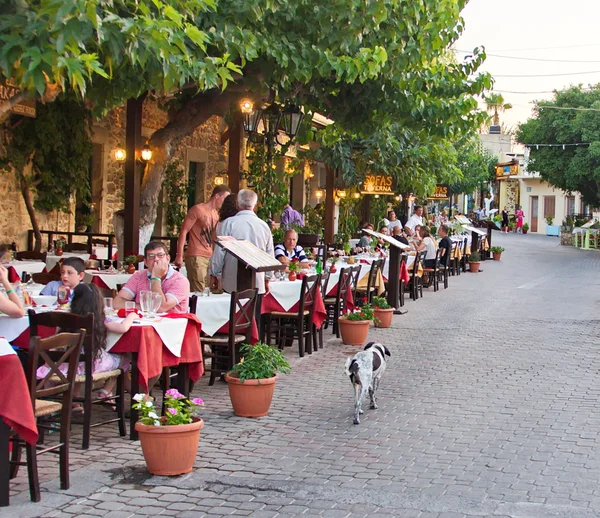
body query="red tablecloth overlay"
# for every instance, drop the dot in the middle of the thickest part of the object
(270, 304)
(152, 355)
(13, 276)
(254, 337)
(15, 402)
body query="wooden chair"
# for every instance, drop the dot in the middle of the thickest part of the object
(29, 255)
(336, 305)
(55, 351)
(463, 259)
(225, 346)
(322, 253)
(416, 282)
(288, 325)
(433, 272)
(354, 278)
(77, 247)
(454, 261)
(91, 381)
(371, 281)
(318, 332)
(45, 278)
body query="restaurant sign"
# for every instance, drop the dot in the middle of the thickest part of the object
(507, 169)
(25, 107)
(441, 192)
(378, 184)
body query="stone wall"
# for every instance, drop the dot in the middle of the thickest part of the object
(108, 190)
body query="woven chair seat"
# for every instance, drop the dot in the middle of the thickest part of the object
(329, 301)
(364, 290)
(287, 314)
(45, 407)
(429, 269)
(222, 339)
(96, 376)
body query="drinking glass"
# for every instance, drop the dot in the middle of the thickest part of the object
(108, 306)
(146, 302)
(156, 301)
(129, 307)
(207, 292)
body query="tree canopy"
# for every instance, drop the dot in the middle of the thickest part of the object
(572, 167)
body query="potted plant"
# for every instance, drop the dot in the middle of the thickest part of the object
(333, 268)
(131, 261)
(525, 228)
(551, 229)
(354, 326)
(347, 249)
(293, 269)
(59, 246)
(383, 312)
(474, 262)
(252, 381)
(170, 442)
(496, 252)
(512, 226)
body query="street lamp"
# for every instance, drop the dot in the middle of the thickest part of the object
(273, 117)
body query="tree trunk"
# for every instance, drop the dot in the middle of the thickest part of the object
(26, 193)
(165, 141)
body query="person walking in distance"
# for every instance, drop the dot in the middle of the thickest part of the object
(199, 228)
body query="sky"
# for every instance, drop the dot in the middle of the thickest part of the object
(552, 30)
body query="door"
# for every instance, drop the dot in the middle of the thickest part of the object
(534, 213)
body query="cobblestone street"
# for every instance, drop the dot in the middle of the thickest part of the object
(488, 407)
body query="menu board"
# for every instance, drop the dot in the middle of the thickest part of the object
(479, 231)
(387, 239)
(249, 254)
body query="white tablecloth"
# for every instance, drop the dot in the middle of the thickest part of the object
(109, 279)
(213, 312)
(286, 293)
(26, 266)
(334, 278)
(5, 348)
(11, 328)
(170, 330)
(51, 260)
(102, 252)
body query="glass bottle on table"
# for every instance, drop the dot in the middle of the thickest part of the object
(319, 267)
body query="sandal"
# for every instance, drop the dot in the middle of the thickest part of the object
(107, 396)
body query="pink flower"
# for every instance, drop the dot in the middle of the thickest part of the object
(174, 393)
(172, 411)
(198, 401)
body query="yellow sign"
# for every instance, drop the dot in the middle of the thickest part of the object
(442, 192)
(25, 107)
(507, 170)
(378, 184)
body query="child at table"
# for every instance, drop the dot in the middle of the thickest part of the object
(71, 275)
(88, 299)
(10, 303)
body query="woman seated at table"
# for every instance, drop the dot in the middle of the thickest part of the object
(287, 251)
(10, 303)
(88, 299)
(427, 243)
(365, 240)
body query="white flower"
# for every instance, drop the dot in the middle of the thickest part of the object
(138, 397)
(152, 415)
(156, 423)
(149, 404)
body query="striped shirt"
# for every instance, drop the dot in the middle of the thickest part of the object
(297, 253)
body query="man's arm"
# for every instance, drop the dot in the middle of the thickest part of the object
(187, 225)
(123, 296)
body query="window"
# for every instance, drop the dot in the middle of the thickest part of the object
(570, 205)
(549, 206)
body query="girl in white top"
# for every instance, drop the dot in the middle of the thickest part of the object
(427, 243)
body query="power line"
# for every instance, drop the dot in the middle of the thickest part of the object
(548, 75)
(535, 59)
(550, 48)
(568, 108)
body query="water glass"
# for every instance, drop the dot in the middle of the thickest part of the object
(108, 306)
(146, 302)
(129, 306)
(206, 292)
(156, 302)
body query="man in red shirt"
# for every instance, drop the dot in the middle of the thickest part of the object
(199, 227)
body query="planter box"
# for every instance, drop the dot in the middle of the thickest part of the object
(552, 230)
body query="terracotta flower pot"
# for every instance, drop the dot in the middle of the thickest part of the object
(474, 267)
(384, 316)
(130, 268)
(59, 251)
(497, 255)
(332, 269)
(252, 398)
(354, 332)
(292, 276)
(170, 450)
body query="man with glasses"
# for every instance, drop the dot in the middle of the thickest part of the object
(159, 277)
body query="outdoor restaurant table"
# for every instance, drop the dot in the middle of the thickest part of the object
(213, 313)
(284, 296)
(106, 279)
(16, 330)
(174, 341)
(15, 409)
(52, 260)
(16, 268)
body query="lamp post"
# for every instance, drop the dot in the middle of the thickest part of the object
(274, 118)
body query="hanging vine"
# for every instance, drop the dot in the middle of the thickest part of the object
(176, 193)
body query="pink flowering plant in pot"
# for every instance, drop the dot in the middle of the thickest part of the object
(178, 409)
(169, 443)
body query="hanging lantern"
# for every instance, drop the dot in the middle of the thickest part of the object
(251, 116)
(319, 194)
(120, 154)
(146, 153)
(291, 118)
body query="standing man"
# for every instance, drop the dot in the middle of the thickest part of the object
(414, 220)
(199, 227)
(291, 217)
(244, 225)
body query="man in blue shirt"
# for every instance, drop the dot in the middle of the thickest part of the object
(71, 274)
(287, 251)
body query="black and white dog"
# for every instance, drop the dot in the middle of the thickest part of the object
(366, 369)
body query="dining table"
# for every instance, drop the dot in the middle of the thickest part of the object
(16, 411)
(16, 268)
(106, 279)
(52, 261)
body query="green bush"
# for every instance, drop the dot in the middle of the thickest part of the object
(260, 361)
(496, 249)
